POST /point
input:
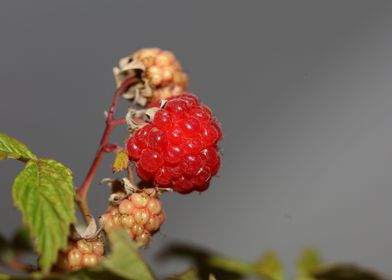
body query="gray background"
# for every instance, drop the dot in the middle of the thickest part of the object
(303, 89)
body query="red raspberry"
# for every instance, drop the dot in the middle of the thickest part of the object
(141, 214)
(179, 149)
(80, 254)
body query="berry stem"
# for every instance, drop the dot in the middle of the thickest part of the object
(111, 122)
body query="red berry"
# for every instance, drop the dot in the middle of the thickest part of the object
(140, 214)
(180, 148)
(156, 139)
(163, 120)
(141, 136)
(150, 160)
(134, 150)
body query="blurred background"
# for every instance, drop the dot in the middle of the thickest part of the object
(302, 88)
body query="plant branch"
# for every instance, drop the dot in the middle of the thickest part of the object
(111, 122)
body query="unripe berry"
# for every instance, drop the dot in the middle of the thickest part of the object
(140, 213)
(162, 68)
(162, 71)
(80, 254)
(179, 149)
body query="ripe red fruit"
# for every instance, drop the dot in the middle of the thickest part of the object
(179, 149)
(140, 214)
(80, 254)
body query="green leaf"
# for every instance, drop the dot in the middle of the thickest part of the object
(308, 263)
(232, 265)
(125, 260)
(190, 274)
(12, 148)
(44, 192)
(270, 267)
(4, 277)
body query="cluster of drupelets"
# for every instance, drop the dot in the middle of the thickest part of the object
(172, 143)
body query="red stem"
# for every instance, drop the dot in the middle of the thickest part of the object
(111, 122)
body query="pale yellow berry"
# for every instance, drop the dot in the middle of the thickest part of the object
(127, 221)
(152, 224)
(139, 200)
(117, 220)
(147, 56)
(154, 206)
(141, 216)
(89, 260)
(84, 246)
(164, 58)
(137, 229)
(144, 238)
(155, 79)
(126, 207)
(98, 248)
(154, 70)
(167, 74)
(74, 257)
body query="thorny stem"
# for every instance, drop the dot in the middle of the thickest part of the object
(111, 122)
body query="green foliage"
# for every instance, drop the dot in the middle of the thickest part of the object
(125, 259)
(232, 265)
(44, 193)
(308, 263)
(12, 148)
(270, 266)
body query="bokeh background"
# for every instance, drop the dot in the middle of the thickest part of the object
(303, 90)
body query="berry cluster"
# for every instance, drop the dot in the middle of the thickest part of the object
(179, 148)
(140, 214)
(80, 254)
(162, 68)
